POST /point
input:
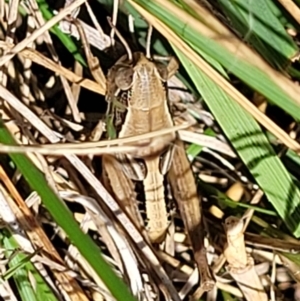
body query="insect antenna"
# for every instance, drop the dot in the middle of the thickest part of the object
(122, 40)
(148, 45)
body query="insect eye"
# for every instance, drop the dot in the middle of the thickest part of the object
(162, 71)
(124, 78)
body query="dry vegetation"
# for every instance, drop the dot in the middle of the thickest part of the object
(237, 112)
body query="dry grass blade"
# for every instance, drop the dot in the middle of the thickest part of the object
(41, 60)
(114, 19)
(28, 223)
(16, 49)
(94, 20)
(47, 38)
(119, 190)
(241, 266)
(93, 62)
(95, 36)
(204, 140)
(292, 8)
(57, 151)
(117, 244)
(217, 31)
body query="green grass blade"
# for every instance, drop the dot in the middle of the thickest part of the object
(252, 146)
(20, 264)
(20, 268)
(262, 29)
(224, 201)
(250, 74)
(194, 150)
(65, 39)
(64, 218)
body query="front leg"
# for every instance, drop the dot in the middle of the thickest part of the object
(184, 189)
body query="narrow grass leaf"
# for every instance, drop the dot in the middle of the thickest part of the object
(244, 69)
(64, 38)
(21, 263)
(262, 29)
(252, 146)
(65, 220)
(21, 268)
(224, 201)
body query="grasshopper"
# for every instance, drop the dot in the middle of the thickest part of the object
(140, 84)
